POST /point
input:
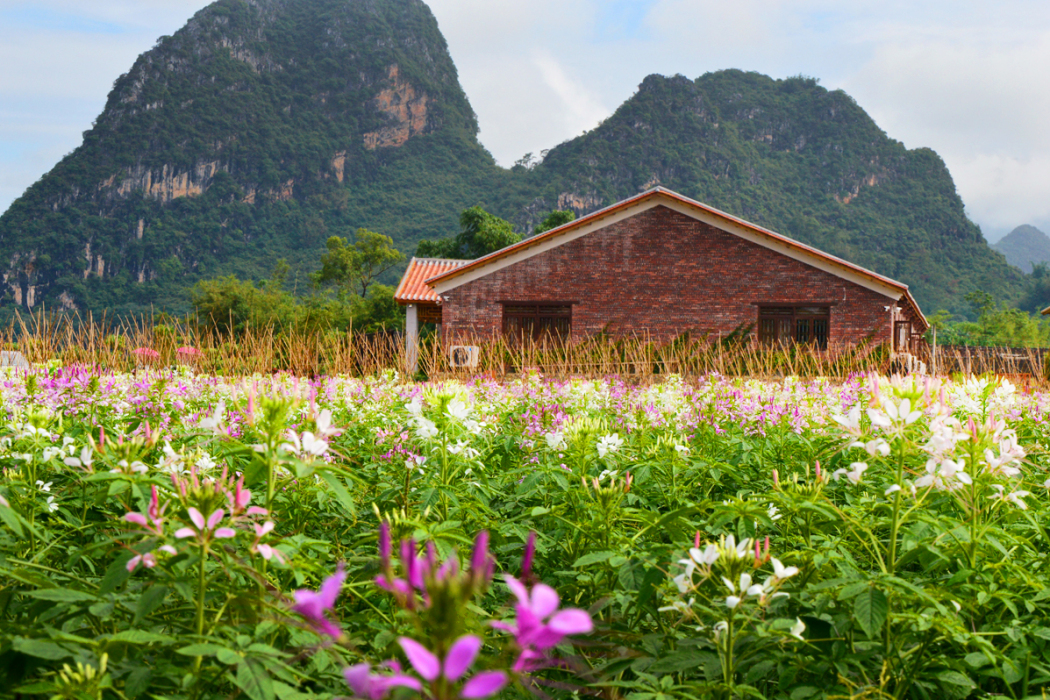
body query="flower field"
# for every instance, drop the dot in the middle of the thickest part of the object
(165, 534)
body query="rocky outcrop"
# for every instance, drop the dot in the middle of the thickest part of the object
(163, 185)
(402, 105)
(579, 203)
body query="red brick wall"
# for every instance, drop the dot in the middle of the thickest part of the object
(661, 272)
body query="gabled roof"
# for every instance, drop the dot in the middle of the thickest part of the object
(413, 288)
(659, 196)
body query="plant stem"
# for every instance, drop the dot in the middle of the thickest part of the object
(200, 599)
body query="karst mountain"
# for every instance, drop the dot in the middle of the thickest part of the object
(263, 127)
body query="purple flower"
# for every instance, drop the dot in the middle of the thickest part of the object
(540, 625)
(365, 684)
(459, 658)
(313, 605)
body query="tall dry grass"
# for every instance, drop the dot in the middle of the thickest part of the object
(110, 343)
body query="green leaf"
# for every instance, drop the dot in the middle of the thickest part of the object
(13, 520)
(116, 574)
(139, 637)
(254, 681)
(38, 688)
(681, 661)
(870, 609)
(137, 682)
(151, 599)
(228, 657)
(593, 558)
(61, 595)
(40, 649)
(955, 678)
(202, 649)
(341, 493)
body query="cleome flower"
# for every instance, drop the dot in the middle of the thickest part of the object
(205, 530)
(455, 664)
(540, 624)
(315, 605)
(610, 443)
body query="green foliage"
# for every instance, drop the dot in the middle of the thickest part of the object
(553, 220)
(480, 233)
(358, 265)
(997, 325)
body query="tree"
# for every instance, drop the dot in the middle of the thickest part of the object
(480, 233)
(350, 267)
(553, 220)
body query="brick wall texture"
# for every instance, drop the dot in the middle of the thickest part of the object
(660, 273)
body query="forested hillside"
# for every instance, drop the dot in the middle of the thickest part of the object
(265, 126)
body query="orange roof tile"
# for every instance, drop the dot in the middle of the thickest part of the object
(413, 287)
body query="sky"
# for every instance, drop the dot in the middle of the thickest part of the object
(969, 79)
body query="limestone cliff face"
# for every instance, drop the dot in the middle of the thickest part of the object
(405, 108)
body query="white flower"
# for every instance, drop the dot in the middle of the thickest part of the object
(50, 452)
(878, 446)
(705, 557)
(416, 461)
(1014, 497)
(324, 424)
(854, 473)
(415, 407)
(774, 514)
(797, 629)
(732, 601)
(458, 410)
(51, 505)
(555, 441)
(782, 572)
(216, 418)
(44, 487)
(682, 450)
(85, 460)
(425, 428)
(611, 473)
(850, 421)
(683, 582)
(958, 608)
(609, 443)
(719, 628)
(314, 445)
(893, 489)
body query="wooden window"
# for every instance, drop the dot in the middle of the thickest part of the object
(785, 325)
(538, 321)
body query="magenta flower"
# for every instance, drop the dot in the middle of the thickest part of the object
(154, 523)
(419, 569)
(365, 684)
(540, 625)
(459, 658)
(205, 529)
(314, 604)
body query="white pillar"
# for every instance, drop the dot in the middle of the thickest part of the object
(412, 339)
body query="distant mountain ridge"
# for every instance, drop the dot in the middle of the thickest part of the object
(264, 126)
(1024, 247)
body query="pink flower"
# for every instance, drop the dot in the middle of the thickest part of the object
(188, 351)
(459, 658)
(146, 353)
(365, 684)
(540, 625)
(314, 604)
(154, 523)
(204, 528)
(264, 550)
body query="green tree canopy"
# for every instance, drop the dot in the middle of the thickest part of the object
(553, 220)
(352, 267)
(480, 233)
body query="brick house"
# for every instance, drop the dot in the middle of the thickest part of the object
(660, 264)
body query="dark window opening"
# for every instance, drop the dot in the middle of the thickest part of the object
(537, 321)
(785, 325)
